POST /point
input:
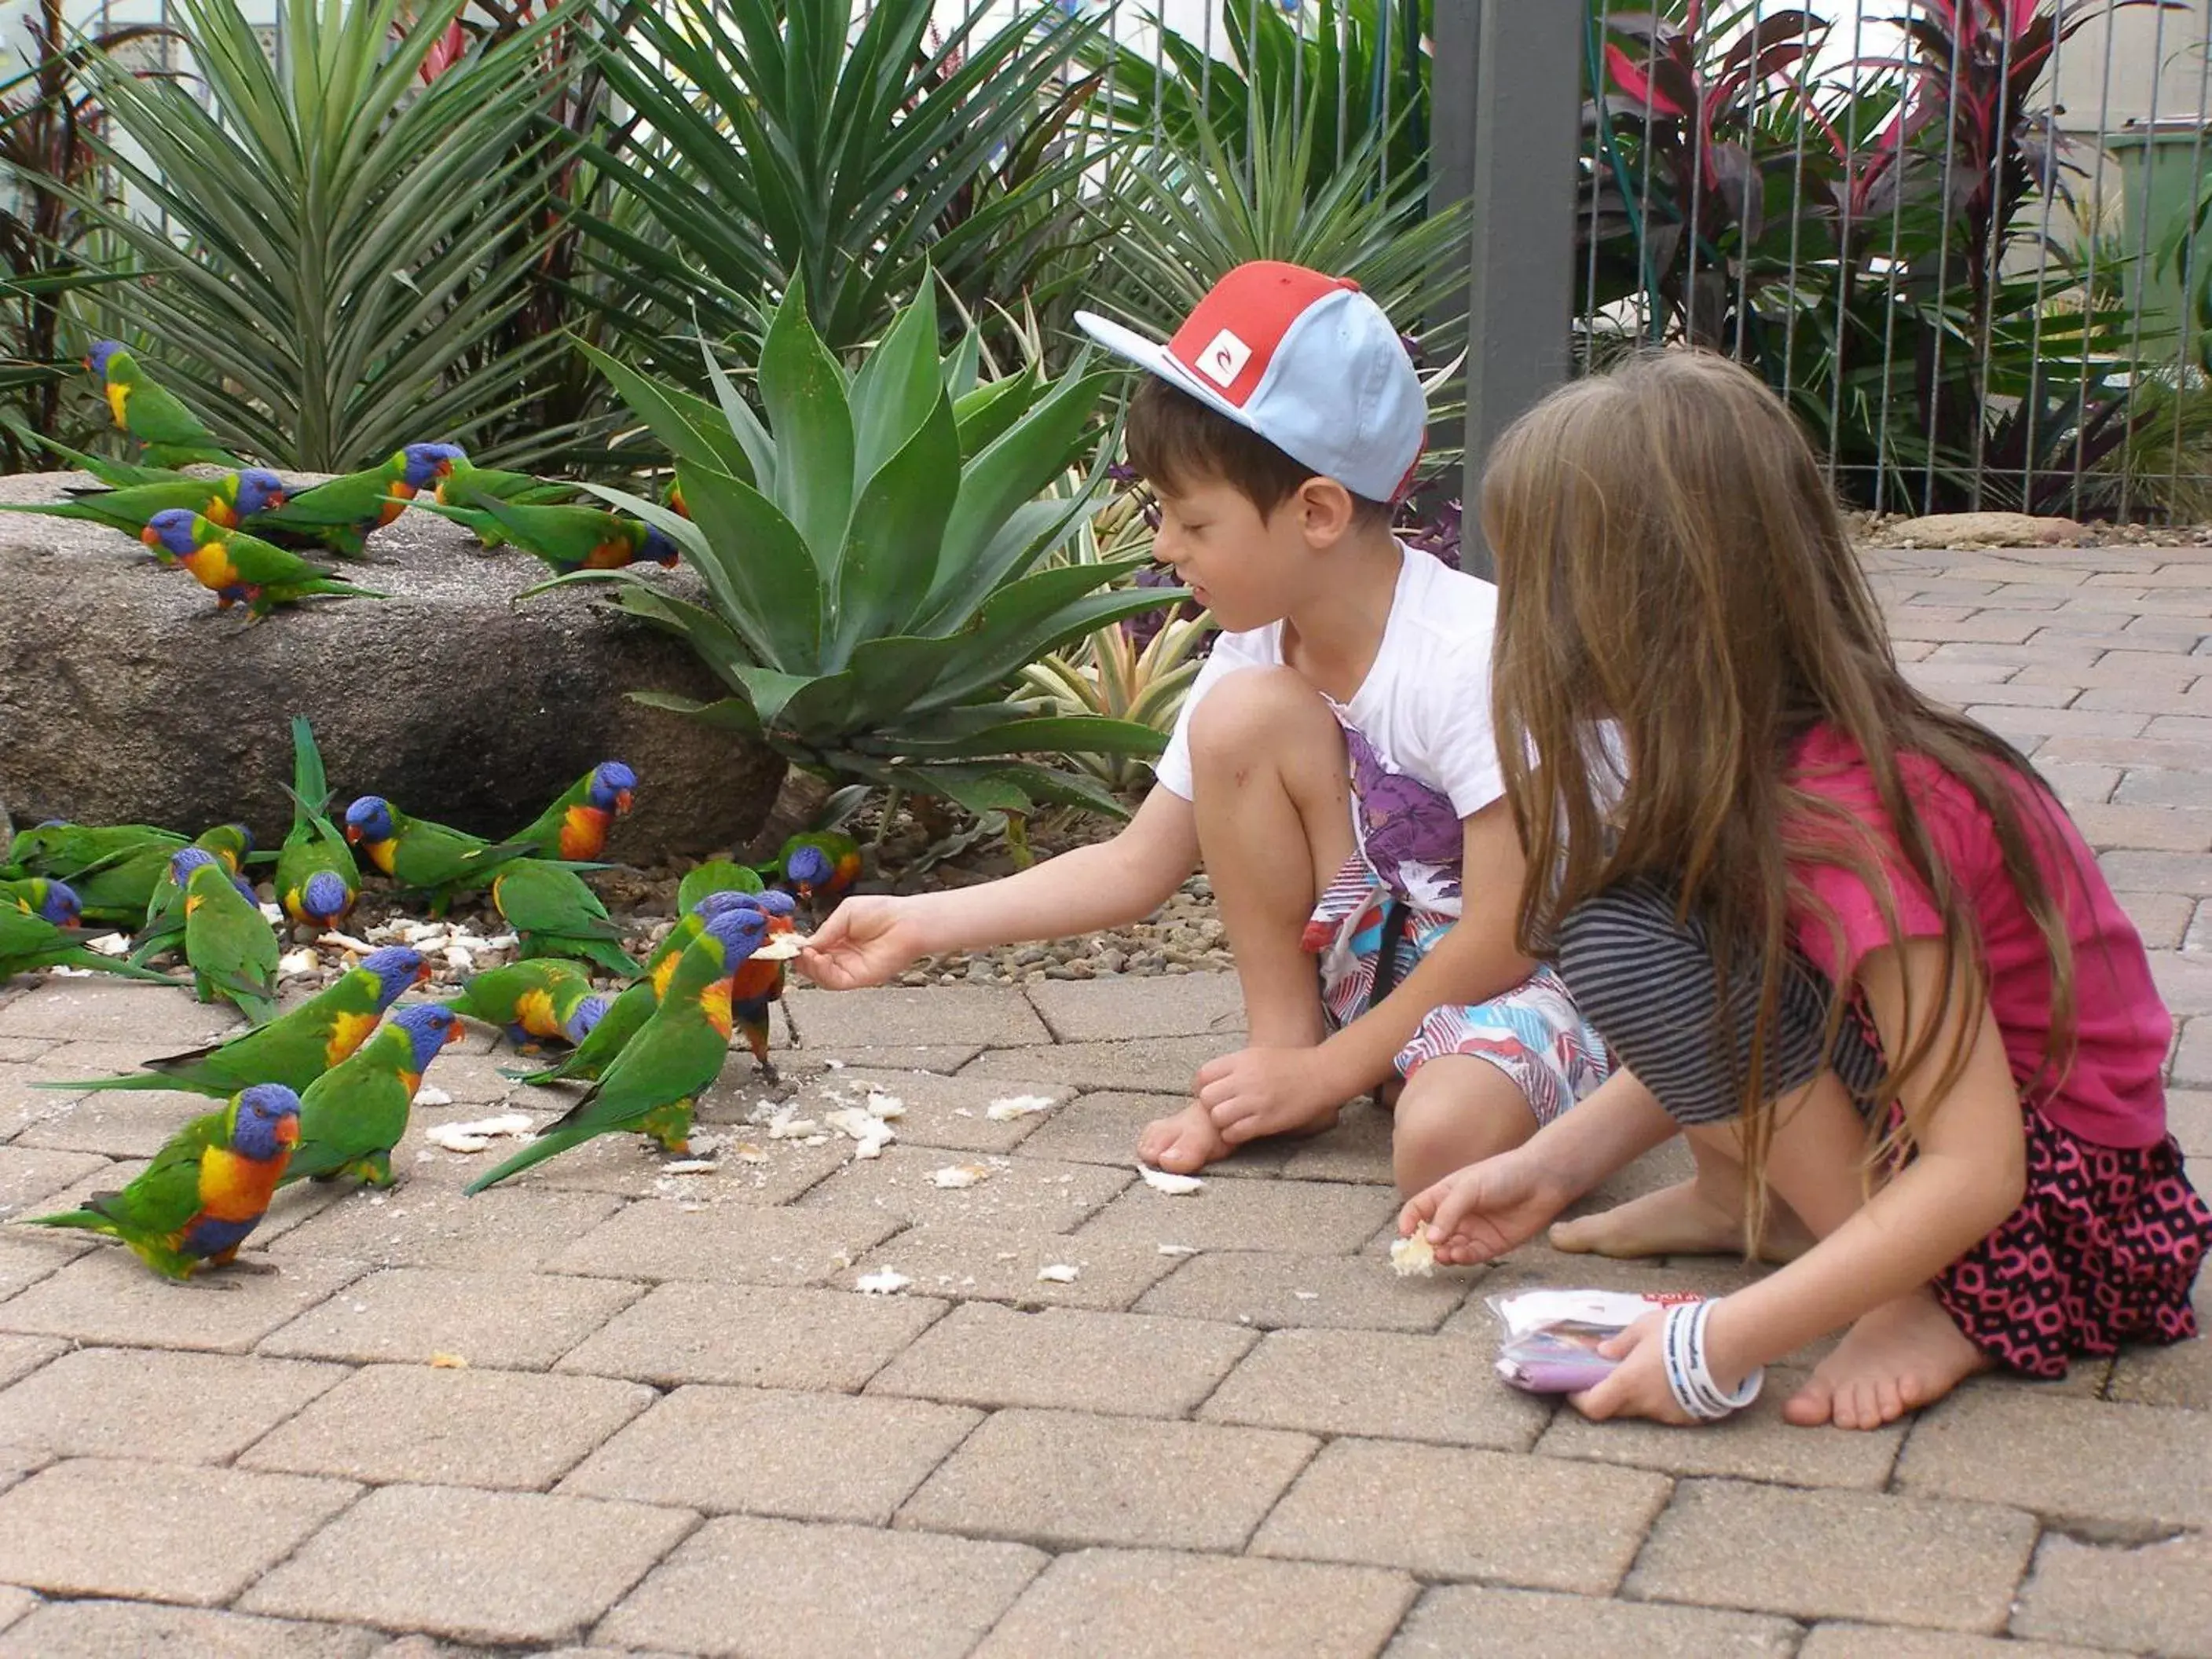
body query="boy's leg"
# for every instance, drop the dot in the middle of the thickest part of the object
(1273, 798)
(1456, 1110)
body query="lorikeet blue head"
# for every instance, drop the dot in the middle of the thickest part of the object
(807, 868)
(325, 898)
(96, 359)
(169, 533)
(661, 549)
(588, 1013)
(396, 968)
(740, 931)
(368, 819)
(720, 904)
(60, 905)
(268, 1121)
(612, 785)
(774, 903)
(430, 1027)
(187, 860)
(425, 463)
(258, 489)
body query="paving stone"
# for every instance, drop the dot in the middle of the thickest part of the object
(1146, 1604)
(777, 1590)
(1272, 1292)
(2180, 1374)
(998, 1017)
(2078, 784)
(120, 1124)
(2192, 1055)
(992, 1265)
(1447, 1513)
(29, 1175)
(1837, 1555)
(2157, 1597)
(421, 1226)
(17, 1466)
(22, 1103)
(1379, 1385)
(451, 1427)
(103, 1630)
(764, 1452)
(95, 1526)
(1755, 1444)
(2184, 983)
(982, 1354)
(1032, 1194)
(1310, 1218)
(107, 1295)
(1357, 1150)
(21, 1050)
(2189, 1117)
(741, 1243)
(1141, 1005)
(2071, 1460)
(1064, 1479)
(90, 1010)
(628, 1166)
(174, 1407)
(770, 1338)
(14, 1604)
(523, 1320)
(943, 1058)
(29, 1254)
(21, 1355)
(939, 1111)
(1156, 1065)
(2188, 873)
(1454, 1621)
(509, 1566)
(1894, 1642)
(2013, 722)
(2163, 829)
(1103, 1128)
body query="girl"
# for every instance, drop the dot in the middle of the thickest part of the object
(1843, 939)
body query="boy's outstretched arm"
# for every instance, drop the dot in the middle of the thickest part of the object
(871, 938)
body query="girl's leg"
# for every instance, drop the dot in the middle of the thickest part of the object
(1702, 1216)
(1273, 798)
(1456, 1110)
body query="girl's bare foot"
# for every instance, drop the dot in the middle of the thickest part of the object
(1185, 1143)
(1689, 1218)
(1904, 1355)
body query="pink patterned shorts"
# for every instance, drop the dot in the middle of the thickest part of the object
(1532, 1033)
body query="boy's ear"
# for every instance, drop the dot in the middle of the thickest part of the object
(1325, 510)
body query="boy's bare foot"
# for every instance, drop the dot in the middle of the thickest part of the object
(1685, 1219)
(1184, 1143)
(1904, 1355)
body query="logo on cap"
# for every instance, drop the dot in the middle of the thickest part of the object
(1224, 359)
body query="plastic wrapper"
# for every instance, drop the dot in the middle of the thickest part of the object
(1551, 1337)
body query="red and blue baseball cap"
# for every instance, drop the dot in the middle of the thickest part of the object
(1303, 359)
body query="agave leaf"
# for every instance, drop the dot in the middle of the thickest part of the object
(804, 393)
(683, 423)
(728, 713)
(765, 556)
(897, 390)
(883, 574)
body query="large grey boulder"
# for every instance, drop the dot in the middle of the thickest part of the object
(125, 696)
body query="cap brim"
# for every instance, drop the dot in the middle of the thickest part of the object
(1153, 356)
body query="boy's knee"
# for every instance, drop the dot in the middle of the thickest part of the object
(1256, 710)
(1456, 1110)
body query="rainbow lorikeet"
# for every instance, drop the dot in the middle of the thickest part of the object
(353, 1116)
(241, 569)
(575, 825)
(673, 499)
(555, 915)
(29, 940)
(566, 537)
(543, 1001)
(472, 487)
(44, 897)
(205, 1191)
(294, 1048)
(317, 879)
(428, 858)
(225, 500)
(172, 433)
(817, 865)
(70, 850)
(164, 924)
(112, 475)
(676, 1056)
(342, 513)
(627, 1014)
(228, 944)
(758, 981)
(714, 876)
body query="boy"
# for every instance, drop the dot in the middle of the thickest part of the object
(1333, 762)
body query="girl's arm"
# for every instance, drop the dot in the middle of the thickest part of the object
(1108, 884)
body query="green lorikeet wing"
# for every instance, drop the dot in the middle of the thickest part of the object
(428, 858)
(70, 850)
(715, 876)
(556, 914)
(567, 537)
(117, 891)
(531, 1001)
(229, 944)
(29, 941)
(343, 513)
(224, 500)
(575, 825)
(150, 412)
(679, 1053)
(115, 475)
(353, 1116)
(149, 1213)
(164, 929)
(294, 1048)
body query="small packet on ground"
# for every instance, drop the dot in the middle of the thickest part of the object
(1551, 1337)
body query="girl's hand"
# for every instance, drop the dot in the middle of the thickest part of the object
(1484, 1210)
(865, 941)
(1637, 1387)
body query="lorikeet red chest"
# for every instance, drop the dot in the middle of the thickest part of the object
(584, 831)
(392, 509)
(714, 1003)
(234, 1194)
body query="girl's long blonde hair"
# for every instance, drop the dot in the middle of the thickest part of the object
(1670, 561)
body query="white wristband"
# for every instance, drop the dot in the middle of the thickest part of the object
(1689, 1379)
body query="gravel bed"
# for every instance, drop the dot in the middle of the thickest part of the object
(1185, 937)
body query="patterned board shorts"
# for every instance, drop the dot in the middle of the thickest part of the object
(1532, 1033)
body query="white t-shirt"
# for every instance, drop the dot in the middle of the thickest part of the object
(1417, 732)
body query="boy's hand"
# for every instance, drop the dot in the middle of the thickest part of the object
(1484, 1210)
(1263, 1092)
(865, 941)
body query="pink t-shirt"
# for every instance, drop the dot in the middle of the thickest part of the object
(2113, 1094)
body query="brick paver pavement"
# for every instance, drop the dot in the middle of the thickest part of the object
(665, 1417)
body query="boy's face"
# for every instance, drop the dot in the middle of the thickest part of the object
(1247, 568)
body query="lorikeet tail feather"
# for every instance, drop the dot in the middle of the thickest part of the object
(87, 1217)
(128, 1080)
(108, 965)
(311, 788)
(548, 1144)
(613, 957)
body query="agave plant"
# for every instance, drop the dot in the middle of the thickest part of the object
(338, 235)
(875, 558)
